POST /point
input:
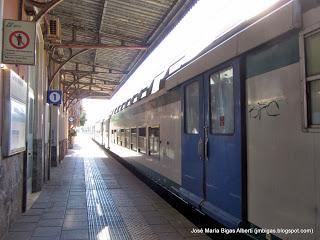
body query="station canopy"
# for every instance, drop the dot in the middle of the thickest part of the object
(104, 41)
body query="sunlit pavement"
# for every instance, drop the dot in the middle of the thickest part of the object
(91, 196)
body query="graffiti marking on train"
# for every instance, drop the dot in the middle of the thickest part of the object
(271, 109)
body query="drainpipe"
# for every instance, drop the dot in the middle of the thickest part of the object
(20, 9)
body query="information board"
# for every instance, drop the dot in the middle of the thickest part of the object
(18, 42)
(15, 112)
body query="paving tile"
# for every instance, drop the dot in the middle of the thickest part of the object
(42, 205)
(28, 219)
(59, 203)
(55, 209)
(76, 205)
(33, 212)
(52, 215)
(170, 236)
(151, 214)
(51, 222)
(47, 232)
(162, 228)
(75, 235)
(156, 220)
(145, 237)
(78, 193)
(22, 227)
(45, 238)
(19, 235)
(76, 218)
(76, 211)
(72, 225)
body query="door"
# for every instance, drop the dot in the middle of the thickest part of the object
(213, 154)
(28, 159)
(30, 141)
(223, 133)
(193, 142)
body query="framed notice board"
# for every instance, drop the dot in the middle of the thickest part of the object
(15, 113)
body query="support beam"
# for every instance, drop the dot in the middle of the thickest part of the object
(99, 36)
(88, 72)
(64, 63)
(99, 66)
(108, 35)
(99, 46)
(83, 85)
(44, 7)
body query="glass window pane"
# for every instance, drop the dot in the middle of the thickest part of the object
(313, 54)
(154, 141)
(221, 102)
(192, 108)
(134, 139)
(314, 102)
(142, 140)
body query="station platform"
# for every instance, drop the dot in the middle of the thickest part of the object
(92, 196)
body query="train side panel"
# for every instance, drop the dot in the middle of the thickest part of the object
(282, 155)
(165, 115)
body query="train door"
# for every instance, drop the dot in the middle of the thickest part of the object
(213, 153)
(223, 135)
(192, 142)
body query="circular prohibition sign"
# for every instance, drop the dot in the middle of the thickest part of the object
(22, 39)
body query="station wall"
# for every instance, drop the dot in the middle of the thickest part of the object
(11, 168)
(16, 187)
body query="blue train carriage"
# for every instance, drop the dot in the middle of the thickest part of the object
(236, 132)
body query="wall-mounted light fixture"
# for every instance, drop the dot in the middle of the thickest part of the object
(3, 66)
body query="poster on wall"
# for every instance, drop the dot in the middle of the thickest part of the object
(15, 113)
(18, 42)
(17, 125)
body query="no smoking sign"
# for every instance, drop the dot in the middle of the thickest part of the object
(18, 42)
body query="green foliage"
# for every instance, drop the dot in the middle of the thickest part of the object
(83, 118)
(72, 132)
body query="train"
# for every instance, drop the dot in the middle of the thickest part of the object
(236, 131)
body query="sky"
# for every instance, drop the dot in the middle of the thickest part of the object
(204, 23)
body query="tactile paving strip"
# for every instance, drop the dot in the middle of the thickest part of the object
(105, 221)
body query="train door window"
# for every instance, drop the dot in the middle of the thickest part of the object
(221, 102)
(134, 139)
(154, 141)
(127, 138)
(142, 140)
(312, 61)
(192, 108)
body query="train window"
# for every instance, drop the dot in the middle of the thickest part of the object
(312, 49)
(127, 138)
(221, 102)
(154, 141)
(118, 136)
(134, 139)
(312, 43)
(192, 108)
(122, 137)
(142, 140)
(314, 102)
(113, 136)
